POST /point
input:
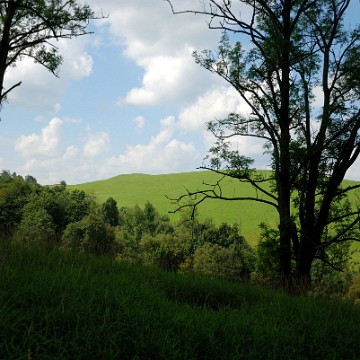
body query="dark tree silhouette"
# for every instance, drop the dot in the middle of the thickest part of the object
(298, 46)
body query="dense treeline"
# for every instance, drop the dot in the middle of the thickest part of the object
(55, 216)
(32, 214)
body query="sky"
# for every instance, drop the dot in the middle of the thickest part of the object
(129, 99)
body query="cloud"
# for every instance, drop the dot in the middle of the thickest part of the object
(50, 161)
(214, 104)
(40, 89)
(140, 122)
(72, 120)
(153, 158)
(167, 81)
(163, 154)
(57, 107)
(96, 144)
(45, 144)
(162, 45)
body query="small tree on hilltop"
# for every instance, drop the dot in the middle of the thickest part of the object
(298, 48)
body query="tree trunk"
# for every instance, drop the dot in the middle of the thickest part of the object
(283, 179)
(304, 259)
(285, 236)
(4, 43)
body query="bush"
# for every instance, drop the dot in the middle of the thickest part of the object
(354, 290)
(73, 236)
(163, 251)
(36, 227)
(219, 262)
(91, 234)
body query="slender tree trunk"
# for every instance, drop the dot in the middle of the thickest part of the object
(304, 260)
(4, 43)
(285, 231)
(284, 187)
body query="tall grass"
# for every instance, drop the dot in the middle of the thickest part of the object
(65, 305)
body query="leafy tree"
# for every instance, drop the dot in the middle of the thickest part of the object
(6, 177)
(27, 28)
(99, 237)
(55, 200)
(73, 236)
(267, 252)
(30, 179)
(14, 195)
(165, 251)
(151, 218)
(298, 48)
(36, 227)
(79, 205)
(91, 234)
(110, 212)
(216, 261)
(138, 222)
(224, 235)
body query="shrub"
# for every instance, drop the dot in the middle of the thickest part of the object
(36, 227)
(163, 250)
(219, 262)
(91, 234)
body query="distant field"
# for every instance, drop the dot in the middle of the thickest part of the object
(129, 190)
(132, 189)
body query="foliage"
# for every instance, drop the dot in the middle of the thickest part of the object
(297, 48)
(267, 257)
(129, 190)
(110, 212)
(91, 234)
(79, 205)
(138, 222)
(354, 289)
(99, 237)
(165, 251)
(30, 179)
(36, 227)
(73, 236)
(14, 195)
(73, 219)
(219, 262)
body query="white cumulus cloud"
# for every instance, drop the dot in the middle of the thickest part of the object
(40, 89)
(96, 144)
(163, 154)
(214, 104)
(140, 122)
(45, 144)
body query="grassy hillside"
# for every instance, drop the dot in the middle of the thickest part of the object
(129, 190)
(64, 305)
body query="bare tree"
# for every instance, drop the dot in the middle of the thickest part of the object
(298, 46)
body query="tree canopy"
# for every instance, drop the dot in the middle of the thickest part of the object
(299, 49)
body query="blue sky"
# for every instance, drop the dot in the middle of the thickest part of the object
(130, 98)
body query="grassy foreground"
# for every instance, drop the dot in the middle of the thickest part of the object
(64, 305)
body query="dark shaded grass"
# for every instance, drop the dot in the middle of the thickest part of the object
(63, 305)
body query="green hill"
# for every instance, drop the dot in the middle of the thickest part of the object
(129, 190)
